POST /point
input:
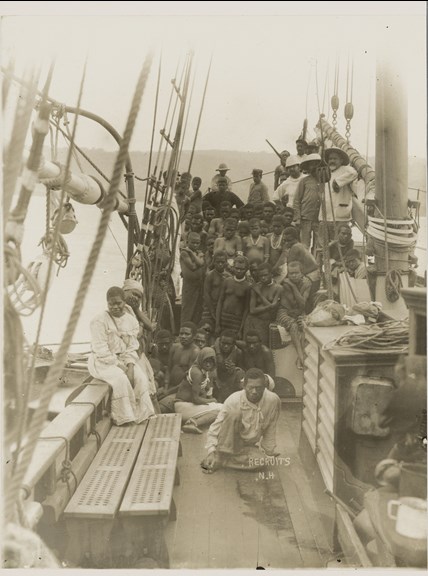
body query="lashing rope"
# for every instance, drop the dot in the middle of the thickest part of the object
(56, 369)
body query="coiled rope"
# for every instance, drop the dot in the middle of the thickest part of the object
(391, 336)
(61, 356)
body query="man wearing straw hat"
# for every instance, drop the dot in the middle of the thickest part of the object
(222, 169)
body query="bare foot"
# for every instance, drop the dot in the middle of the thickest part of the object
(299, 364)
(191, 427)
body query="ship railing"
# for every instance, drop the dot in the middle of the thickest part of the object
(64, 452)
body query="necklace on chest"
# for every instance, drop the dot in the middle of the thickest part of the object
(276, 243)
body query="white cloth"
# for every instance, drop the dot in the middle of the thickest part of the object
(289, 187)
(214, 185)
(114, 344)
(341, 202)
(257, 420)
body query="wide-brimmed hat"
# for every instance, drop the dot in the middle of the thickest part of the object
(222, 167)
(342, 154)
(292, 161)
(310, 158)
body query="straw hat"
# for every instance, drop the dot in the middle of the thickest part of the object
(344, 156)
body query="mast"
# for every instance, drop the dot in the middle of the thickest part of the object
(391, 237)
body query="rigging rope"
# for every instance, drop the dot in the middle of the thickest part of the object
(335, 97)
(56, 369)
(181, 144)
(153, 126)
(200, 115)
(13, 152)
(349, 108)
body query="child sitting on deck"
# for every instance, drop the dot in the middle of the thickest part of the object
(194, 398)
(114, 359)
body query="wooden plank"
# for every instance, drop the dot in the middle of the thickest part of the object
(54, 505)
(309, 501)
(349, 540)
(182, 537)
(152, 482)
(100, 492)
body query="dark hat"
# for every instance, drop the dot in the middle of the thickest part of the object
(342, 154)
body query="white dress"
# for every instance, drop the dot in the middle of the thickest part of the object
(114, 344)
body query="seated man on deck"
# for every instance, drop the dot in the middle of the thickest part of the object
(243, 435)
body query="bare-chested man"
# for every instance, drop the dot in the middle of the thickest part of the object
(233, 302)
(230, 242)
(264, 301)
(192, 262)
(213, 283)
(256, 245)
(183, 354)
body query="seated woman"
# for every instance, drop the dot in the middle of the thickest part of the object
(134, 296)
(114, 359)
(194, 399)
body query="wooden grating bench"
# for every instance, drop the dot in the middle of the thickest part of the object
(134, 471)
(150, 489)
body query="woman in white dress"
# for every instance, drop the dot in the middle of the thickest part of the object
(114, 359)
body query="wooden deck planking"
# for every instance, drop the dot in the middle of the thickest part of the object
(234, 519)
(305, 511)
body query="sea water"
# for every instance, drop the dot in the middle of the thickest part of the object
(109, 270)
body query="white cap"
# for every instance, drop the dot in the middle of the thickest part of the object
(292, 161)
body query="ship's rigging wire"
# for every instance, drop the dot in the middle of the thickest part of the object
(12, 164)
(155, 111)
(326, 256)
(52, 254)
(326, 82)
(172, 168)
(39, 415)
(200, 115)
(181, 145)
(76, 158)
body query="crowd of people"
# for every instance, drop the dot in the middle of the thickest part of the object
(244, 267)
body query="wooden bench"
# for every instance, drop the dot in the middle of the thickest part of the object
(145, 456)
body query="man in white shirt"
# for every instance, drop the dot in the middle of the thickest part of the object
(287, 190)
(222, 169)
(243, 435)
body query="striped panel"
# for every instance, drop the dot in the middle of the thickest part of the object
(100, 492)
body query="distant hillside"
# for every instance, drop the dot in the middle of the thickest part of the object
(205, 163)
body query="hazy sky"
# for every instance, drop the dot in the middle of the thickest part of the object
(264, 69)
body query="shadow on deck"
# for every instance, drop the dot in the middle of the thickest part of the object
(278, 518)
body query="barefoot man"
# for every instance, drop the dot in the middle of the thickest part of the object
(243, 435)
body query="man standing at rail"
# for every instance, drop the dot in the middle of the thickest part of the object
(243, 435)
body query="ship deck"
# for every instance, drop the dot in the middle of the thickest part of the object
(279, 518)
